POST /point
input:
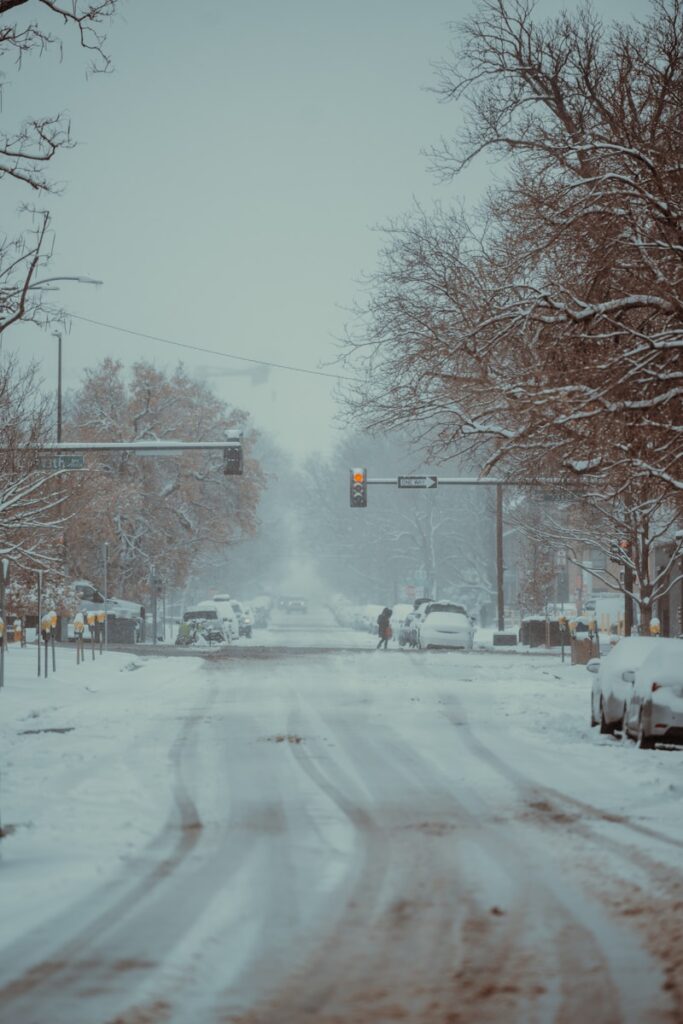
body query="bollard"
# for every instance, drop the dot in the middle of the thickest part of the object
(53, 636)
(92, 618)
(78, 634)
(100, 630)
(564, 633)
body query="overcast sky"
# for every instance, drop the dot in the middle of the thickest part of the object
(228, 177)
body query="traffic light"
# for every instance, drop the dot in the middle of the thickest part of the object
(619, 550)
(358, 488)
(232, 461)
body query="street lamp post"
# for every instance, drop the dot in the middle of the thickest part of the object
(58, 336)
(105, 558)
(79, 279)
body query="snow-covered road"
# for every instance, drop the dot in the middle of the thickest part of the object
(333, 837)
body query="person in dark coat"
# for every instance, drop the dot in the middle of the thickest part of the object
(384, 627)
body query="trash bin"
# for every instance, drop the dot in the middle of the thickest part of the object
(539, 632)
(584, 647)
(120, 631)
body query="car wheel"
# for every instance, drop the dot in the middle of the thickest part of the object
(643, 741)
(606, 728)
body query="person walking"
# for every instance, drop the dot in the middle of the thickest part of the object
(384, 628)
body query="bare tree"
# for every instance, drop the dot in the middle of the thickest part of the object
(547, 330)
(32, 514)
(28, 150)
(624, 529)
(161, 512)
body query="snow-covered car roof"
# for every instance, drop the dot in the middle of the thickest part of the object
(433, 619)
(201, 612)
(630, 651)
(664, 664)
(446, 606)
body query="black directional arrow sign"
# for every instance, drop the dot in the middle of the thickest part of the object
(418, 481)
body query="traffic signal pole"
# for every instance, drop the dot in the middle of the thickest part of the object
(359, 482)
(500, 567)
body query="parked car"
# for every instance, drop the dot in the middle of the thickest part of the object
(261, 607)
(202, 620)
(445, 625)
(247, 620)
(407, 633)
(655, 710)
(261, 616)
(613, 678)
(243, 618)
(399, 614)
(414, 621)
(89, 598)
(227, 613)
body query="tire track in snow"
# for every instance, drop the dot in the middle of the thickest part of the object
(547, 808)
(167, 850)
(108, 960)
(398, 953)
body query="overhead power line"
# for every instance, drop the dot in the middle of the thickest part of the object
(210, 351)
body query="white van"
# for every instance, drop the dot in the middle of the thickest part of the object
(226, 612)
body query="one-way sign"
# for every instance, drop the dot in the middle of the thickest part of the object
(418, 481)
(60, 462)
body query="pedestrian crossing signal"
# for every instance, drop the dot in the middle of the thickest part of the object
(358, 488)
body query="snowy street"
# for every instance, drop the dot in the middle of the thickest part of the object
(335, 837)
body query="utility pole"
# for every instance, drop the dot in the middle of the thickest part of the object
(628, 600)
(500, 568)
(105, 558)
(58, 336)
(154, 604)
(4, 577)
(40, 615)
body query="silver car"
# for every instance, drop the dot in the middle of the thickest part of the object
(613, 678)
(655, 710)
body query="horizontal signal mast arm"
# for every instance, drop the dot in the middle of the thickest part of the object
(489, 481)
(132, 446)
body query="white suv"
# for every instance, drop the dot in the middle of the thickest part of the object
(227, 613)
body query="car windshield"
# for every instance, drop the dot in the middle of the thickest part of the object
(200, 613)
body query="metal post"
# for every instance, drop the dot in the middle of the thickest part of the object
(59, 385)
(40, 613)
(4, 632)
(154, 604)
(628, 600)
(52, 644)
(105, 555)
(499, 557)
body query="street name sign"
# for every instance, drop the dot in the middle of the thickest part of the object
(418, 481)
(53, 462)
